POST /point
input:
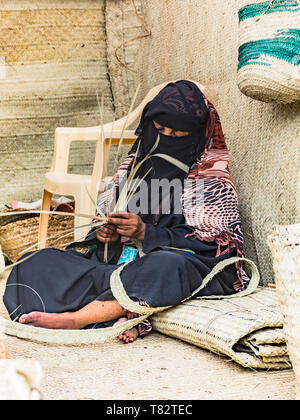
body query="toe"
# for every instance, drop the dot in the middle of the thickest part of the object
(27, 319)
(23, 319)
(31, 318)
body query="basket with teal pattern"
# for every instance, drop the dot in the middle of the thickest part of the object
(269, 53)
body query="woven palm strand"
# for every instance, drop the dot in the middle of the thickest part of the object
(284, 243)
(269, 53)
(94, 336)
(248, 329)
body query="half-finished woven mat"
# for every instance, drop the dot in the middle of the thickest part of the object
(248, 329)
(101, 335)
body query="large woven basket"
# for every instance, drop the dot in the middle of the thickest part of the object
(269, 53)
(285, 246)
(17, 233)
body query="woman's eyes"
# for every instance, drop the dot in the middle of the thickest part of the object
(179, 134)
(174, 134)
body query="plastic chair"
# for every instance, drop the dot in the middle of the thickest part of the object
(82, 187)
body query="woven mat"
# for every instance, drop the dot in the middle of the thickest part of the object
(247, 329)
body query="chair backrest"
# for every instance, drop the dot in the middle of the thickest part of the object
(123, 124)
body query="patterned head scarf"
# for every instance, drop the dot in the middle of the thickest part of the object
(217, 219)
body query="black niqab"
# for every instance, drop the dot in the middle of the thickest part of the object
(179, 106)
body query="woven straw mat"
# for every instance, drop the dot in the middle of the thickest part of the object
(247, 329)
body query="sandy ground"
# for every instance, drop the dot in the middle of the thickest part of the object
(157, 367)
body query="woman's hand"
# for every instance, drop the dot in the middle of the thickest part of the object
(128, 224)
(107, 233)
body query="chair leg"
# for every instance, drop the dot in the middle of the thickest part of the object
(83, 206)
(44, 219)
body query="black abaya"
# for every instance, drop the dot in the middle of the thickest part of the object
(57, 281)
(66, 281)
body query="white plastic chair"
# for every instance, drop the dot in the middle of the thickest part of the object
(58, 181)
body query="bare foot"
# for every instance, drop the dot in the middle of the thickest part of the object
(63, 321)
(128, 336)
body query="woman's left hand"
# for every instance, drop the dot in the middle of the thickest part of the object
(128, 224)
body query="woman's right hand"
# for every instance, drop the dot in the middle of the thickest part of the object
(107, 233)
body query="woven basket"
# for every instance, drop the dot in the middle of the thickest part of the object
(17, 233)
(269, 53)
(285, 246)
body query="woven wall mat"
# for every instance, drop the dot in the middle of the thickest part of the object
(247, 329)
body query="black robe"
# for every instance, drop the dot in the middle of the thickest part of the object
(58, 281)
(65, 281)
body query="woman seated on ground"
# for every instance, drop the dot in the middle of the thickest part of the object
(182, 240)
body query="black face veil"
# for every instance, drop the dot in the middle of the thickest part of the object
(179, 106)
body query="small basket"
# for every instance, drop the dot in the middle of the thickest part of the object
(285, 247)
(269, 53)
(19, 232)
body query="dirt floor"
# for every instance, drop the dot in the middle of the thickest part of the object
(157, 367)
